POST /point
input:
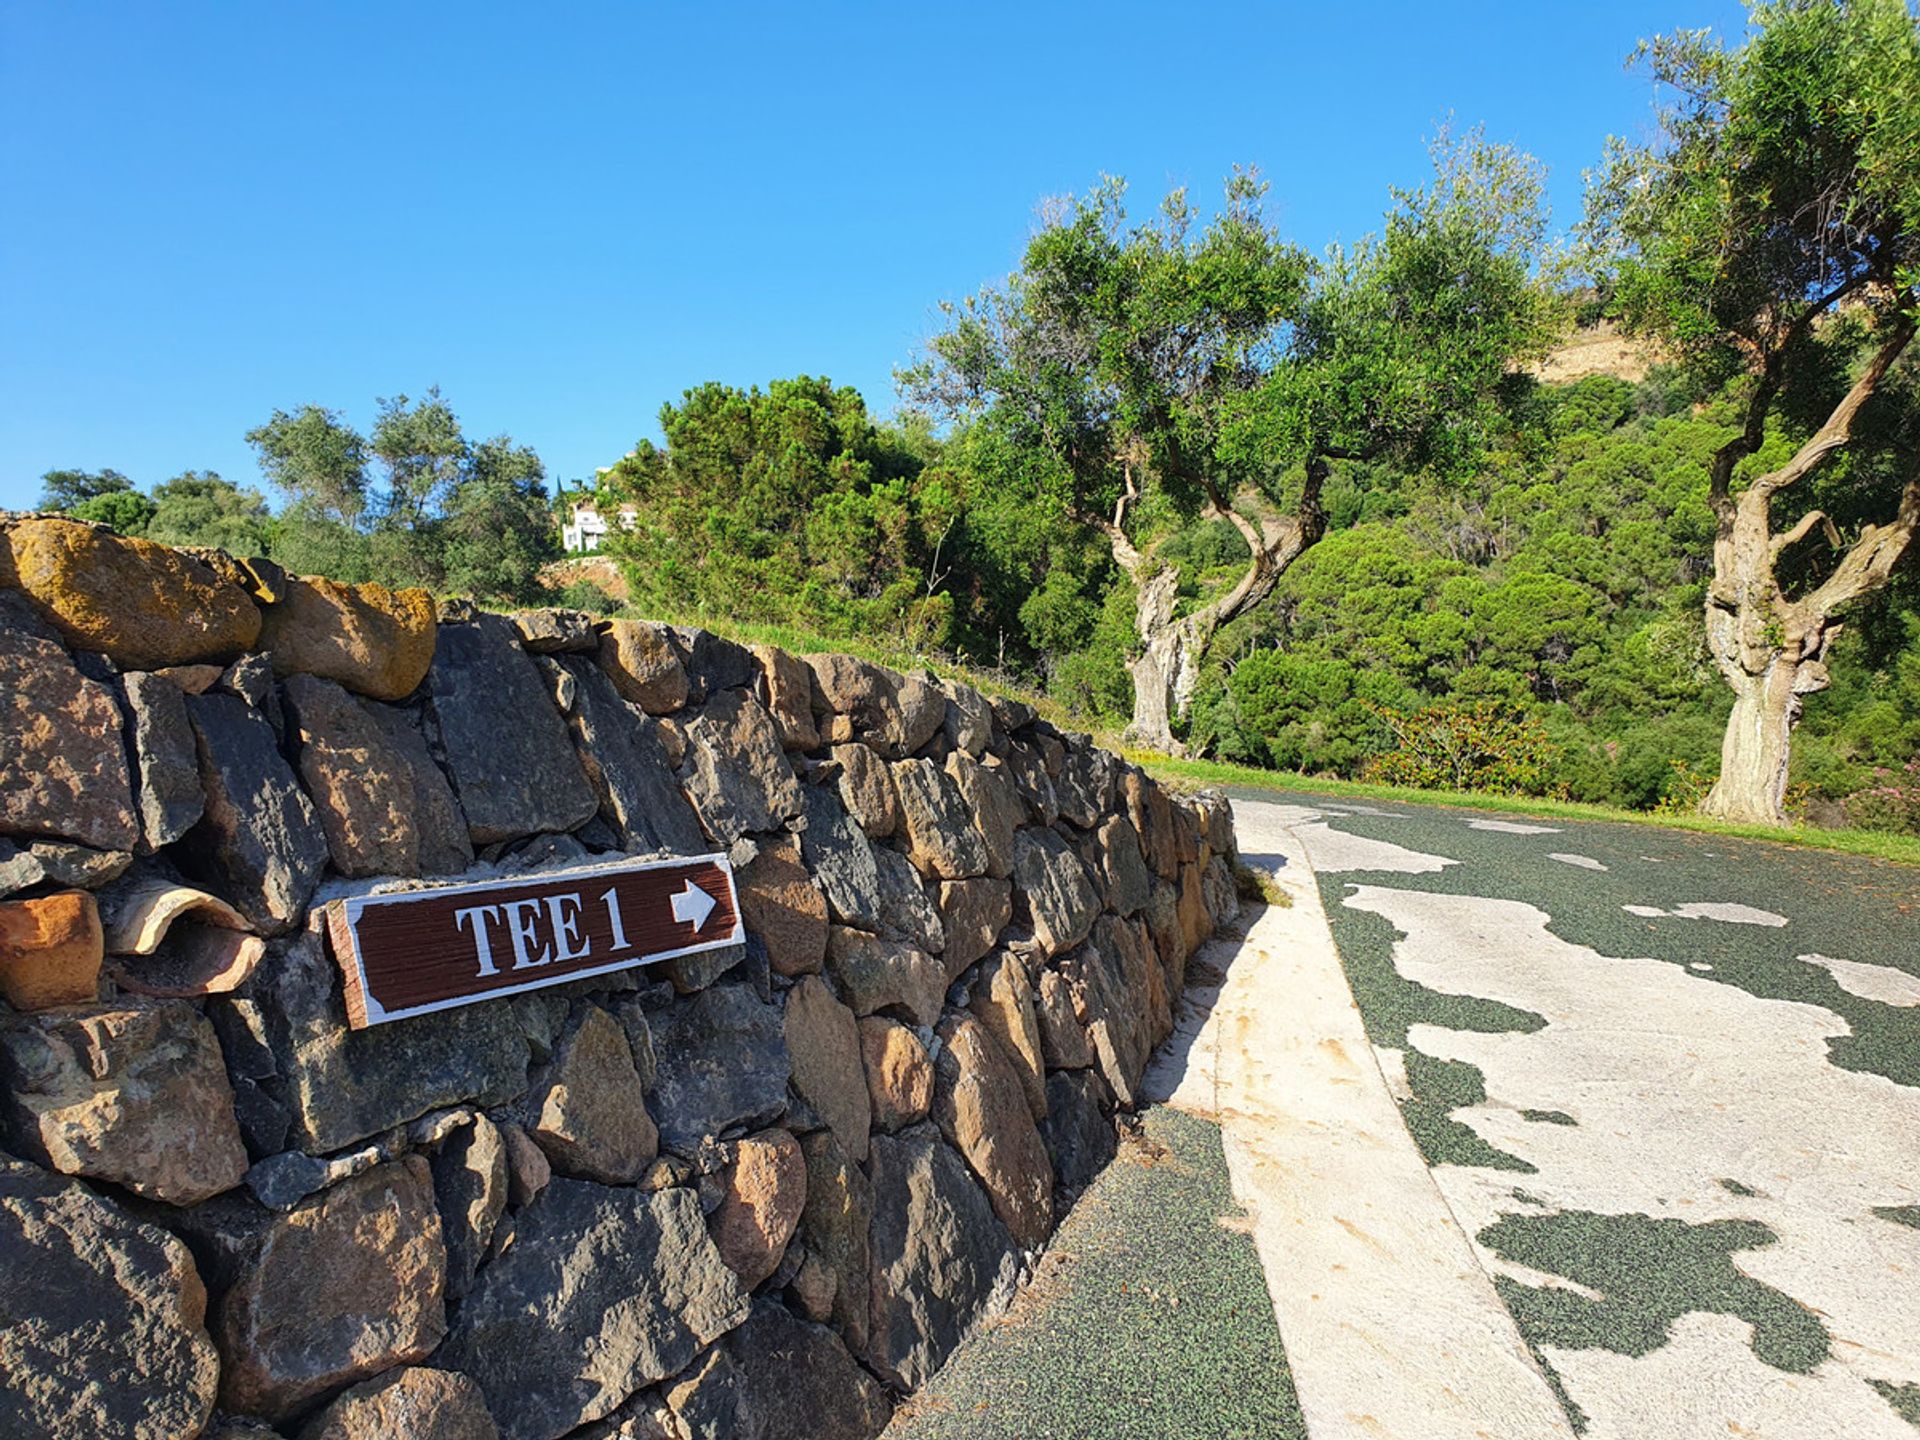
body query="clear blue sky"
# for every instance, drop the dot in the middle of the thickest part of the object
(565, 215)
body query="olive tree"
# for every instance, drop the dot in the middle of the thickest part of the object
(1174, 369)
(1767, 236)
(413, 503)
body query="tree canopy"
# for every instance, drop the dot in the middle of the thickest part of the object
(1147, 374)
(64, 489)
(414, 502)
(200, 508)
(787, 504)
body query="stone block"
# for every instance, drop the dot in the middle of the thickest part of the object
(505, 744)
(140, 604)
(136, 1095)
(939, 1256)
(763, 1192)
(981, 1108)
(604, 1290)
(375, 641)
(348, 1284)
(105, 1314)
(722, 1064)
(50, 951)
(259, 842)
(63, 768)
(823, 1041)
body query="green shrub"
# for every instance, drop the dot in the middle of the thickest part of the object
(127, 511)
(1891, 803)
(587, 596)
(1309, 715)
(1482, 746)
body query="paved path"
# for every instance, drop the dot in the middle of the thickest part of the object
(1389, 1319)
(1668, 1088)
(1537, 1130)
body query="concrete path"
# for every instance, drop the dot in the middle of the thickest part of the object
(1391, 1325)
(1666, 1088)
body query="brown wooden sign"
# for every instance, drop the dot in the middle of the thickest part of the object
(426, 950)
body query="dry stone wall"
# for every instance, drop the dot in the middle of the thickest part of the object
(757, 1192)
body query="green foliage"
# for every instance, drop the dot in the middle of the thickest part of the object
(790, 506)
(1780, 173)
(1482, 746)
(424, 456)
(1891, 803)
(587, 596)
(416, 503)
(1296, 713)
(1403, 344)
(1092, 679)
(127, 511)
(1592, 405)
(309, 543)
(495, 531)
(317, 460)
(64, 489)
(1135, 382)
(200, 508)
(1634, 1275)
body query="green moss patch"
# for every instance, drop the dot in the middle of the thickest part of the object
(1648, 1272)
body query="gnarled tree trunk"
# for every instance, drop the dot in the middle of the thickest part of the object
(1166, 671)
(1770, 649)
(1771, 654)
(1158, 668)
(1756, 749)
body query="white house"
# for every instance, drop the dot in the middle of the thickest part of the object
(589, 527)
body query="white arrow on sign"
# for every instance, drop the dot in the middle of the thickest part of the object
(692, 906)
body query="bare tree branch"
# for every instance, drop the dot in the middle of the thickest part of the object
(1805, 527)
(1867, 566)
(1838, 429)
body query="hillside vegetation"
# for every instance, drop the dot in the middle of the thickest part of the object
(1534, 628)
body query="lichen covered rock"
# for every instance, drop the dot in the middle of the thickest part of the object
(412, 1401)
(764, 1190)
(348, 1284)
(375, 641)
(644, 664)
(137, 1095)
(140, 604)
(63, 770)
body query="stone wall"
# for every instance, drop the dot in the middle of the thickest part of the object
(757, 1192)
